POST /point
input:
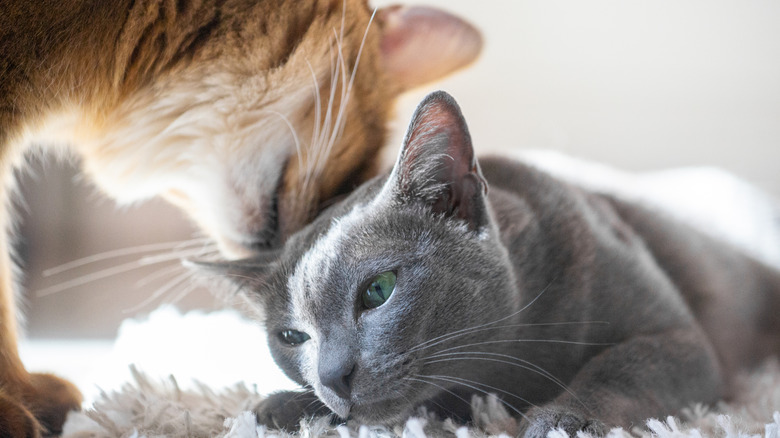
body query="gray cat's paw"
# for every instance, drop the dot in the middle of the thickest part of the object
(541, 421)
(285, 410)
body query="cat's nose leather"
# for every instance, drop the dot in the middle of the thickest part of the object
(337, 375)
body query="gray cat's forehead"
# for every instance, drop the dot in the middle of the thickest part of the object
(319, 260)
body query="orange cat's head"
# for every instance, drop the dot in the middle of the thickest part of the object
(274, 108)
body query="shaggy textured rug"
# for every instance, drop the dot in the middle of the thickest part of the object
(146, 408)
(230, 348)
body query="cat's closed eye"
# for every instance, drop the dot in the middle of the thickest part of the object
(293, 338)
(379, 290)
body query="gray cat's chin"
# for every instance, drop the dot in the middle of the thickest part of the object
(384, 413)
(381, 413)
(342, 408)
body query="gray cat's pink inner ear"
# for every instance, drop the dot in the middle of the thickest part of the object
(420, 44)
(437, 163)
(438, 132)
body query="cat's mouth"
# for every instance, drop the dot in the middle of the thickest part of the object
(386, 412)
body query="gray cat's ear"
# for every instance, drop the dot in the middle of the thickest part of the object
(437, 165)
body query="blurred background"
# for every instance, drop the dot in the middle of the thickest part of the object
(636, 84)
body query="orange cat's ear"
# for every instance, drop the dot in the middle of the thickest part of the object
(422, 44)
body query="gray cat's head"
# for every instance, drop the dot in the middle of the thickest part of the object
(358, 302)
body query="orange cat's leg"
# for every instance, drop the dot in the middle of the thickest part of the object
(26, 397)
(50, 398)
(41, 407)
(16, 420)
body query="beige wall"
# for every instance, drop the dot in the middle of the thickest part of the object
(639, 84)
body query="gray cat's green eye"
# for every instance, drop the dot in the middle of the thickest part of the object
(379, 290)
(293, 337)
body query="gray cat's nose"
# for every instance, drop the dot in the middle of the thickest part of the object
(337, 375)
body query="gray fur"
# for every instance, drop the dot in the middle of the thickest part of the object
(580, 311)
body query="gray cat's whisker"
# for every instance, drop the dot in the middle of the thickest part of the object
(151, 260)
(470, 384)
(508, 341)
(239, 276)
(184, 292)
(487, 353)
(119, 269)
(524, 364)
(437, 340)
(466, 332)
(411, 402)
(545, 374)
(176, 281)
(157, 275)
(85, 279)
(132, 250)
(310, 404)
(418, 379)
(300, 394)
(171, 269)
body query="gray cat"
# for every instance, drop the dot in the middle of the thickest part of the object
(423, 288)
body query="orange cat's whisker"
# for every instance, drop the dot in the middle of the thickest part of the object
(315, 130)
(293, 133)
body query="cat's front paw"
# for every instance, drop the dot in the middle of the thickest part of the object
(285, 410)
(16, 420)
(50, 399)
(540, 421)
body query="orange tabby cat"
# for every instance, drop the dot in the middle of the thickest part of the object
(249, 114)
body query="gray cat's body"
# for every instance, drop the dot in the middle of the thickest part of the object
(576, 309)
